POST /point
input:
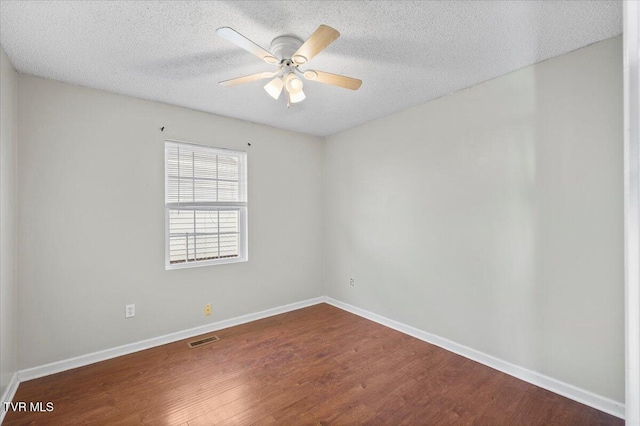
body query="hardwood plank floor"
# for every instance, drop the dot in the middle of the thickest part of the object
(317, 365)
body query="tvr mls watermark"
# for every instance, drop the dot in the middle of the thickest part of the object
(39, 406)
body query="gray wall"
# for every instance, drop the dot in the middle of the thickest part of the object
(91, 233)
(493, 217)
(8, 220)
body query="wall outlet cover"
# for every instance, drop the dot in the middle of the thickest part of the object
(130, 311)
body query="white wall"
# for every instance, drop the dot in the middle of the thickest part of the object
(91, 234)
(8, 220)
(493, 217)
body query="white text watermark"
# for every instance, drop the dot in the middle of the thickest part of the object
(39, 406)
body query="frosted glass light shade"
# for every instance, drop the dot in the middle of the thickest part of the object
(274, 87)
(297, 97)
(293, 84)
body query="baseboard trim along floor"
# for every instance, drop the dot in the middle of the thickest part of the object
(82, 360)
(585, 397)
(8, 395)
(572, 392)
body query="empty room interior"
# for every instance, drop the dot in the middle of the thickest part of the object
(275, 212)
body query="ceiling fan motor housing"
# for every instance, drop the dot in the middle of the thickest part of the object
(284, 47)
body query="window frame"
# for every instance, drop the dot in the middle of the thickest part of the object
(241, 207)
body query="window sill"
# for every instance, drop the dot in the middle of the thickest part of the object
(188, 265)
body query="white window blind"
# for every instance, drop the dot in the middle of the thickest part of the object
(206, 205)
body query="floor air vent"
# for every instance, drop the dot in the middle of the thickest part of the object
(204, 341)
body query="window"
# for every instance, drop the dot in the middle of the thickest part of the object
(205, 205)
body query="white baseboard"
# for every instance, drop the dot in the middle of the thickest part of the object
(8, 395)
(82, 360)
(572, 392)
(598, 402)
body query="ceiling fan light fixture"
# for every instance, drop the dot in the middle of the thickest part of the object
(274, 87)
(271, 59)
(293, 84)
(299, 59)
(294, 98)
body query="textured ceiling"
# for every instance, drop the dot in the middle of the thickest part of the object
(406, 52)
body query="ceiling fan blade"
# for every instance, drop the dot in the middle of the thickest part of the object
(235, 37)
(333, 79)
(316, 43)
(247, 78)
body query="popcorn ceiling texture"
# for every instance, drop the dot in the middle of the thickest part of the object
(406, 52)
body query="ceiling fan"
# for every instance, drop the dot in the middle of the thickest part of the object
(288, 53)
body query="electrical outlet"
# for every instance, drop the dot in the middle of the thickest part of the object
(207, 309)
(130, 311)
(352, 283)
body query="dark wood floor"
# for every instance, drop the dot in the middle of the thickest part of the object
(318, 365)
